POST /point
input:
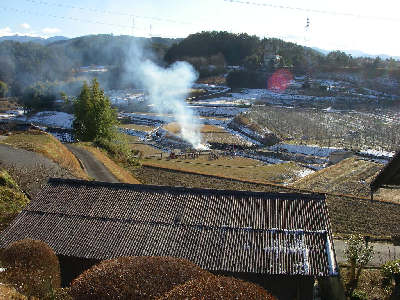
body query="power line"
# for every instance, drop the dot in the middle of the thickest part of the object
(67, 18)
(309, 10)
(101, 11)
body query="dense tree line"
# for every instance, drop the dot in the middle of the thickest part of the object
(24, 65)
(234, 47)
(255, 53)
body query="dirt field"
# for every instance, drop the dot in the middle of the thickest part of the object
(236, 168)
(137, 127)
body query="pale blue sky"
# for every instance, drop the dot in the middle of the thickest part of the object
(376, 32)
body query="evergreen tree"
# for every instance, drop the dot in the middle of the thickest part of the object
(3, 89)
(94, 117)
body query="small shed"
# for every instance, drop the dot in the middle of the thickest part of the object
(281, 241)
(388, 177)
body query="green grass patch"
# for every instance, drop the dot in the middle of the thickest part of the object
(12, 199)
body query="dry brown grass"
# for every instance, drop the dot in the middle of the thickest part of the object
(175, 128)
(370, 282)
(211, 134)
(137, 127)
(236, 168)
(351, 176)
(391, 195)
(46, 144)
(7, 292)
(119, 172)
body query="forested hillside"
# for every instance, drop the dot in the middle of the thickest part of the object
(25, 64)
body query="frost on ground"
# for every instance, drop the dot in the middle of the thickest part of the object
(377, 153)
(304, 173)
(305, 149)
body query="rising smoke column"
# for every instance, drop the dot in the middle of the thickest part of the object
(167, 89)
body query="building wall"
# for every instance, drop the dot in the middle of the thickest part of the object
(72, 267)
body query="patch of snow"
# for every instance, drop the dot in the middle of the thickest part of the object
(304, 173)
(305, 149)
(378, 153)
(50, 118)
(16, 112)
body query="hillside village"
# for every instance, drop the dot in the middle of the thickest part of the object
(236, 174)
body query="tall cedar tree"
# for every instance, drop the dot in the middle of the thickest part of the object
(94, 117)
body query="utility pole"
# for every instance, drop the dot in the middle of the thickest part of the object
(306, 43)
(133, 26)
(150, 35)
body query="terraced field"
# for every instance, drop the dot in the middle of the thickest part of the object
(212, 134)
(236, 168)
(351, 177)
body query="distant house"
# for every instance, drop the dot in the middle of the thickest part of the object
(388, 177)
(281, 241)
(337, 156)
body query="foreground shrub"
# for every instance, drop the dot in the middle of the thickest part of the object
(32, 267)
(217, 287)
(11, 204)
(8, 292)
(118, 149)
(134, 278)
(7, 181)
(359, 295)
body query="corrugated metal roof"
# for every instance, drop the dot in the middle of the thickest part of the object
(236, 231)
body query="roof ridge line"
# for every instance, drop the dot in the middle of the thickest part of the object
(310, 195)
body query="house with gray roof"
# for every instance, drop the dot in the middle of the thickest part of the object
(281, 241)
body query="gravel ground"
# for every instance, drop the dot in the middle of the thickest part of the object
(31, 170)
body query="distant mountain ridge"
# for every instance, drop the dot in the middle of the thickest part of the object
(358, 53)
(34, 39)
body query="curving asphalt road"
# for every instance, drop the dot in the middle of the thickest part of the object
(93, 167)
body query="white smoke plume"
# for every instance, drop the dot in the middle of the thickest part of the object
(167, 89)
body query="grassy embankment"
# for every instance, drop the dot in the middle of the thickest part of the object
(12, 199)
(118, 171)
(50, 147)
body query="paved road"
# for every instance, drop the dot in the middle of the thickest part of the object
(93, 167)
(383, 252)
(21, 158)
